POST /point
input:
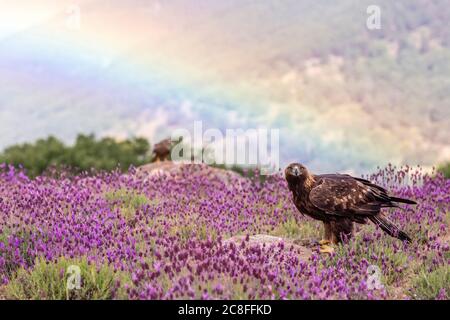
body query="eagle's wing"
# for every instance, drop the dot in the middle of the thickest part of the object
(343, 195)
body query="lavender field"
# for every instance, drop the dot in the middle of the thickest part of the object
(195, 232)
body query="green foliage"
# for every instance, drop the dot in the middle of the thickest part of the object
(49, 281)
(127, 198)
(128, 201)
(445, 169)
(87, 153)
(301, 231)
(428, 285)
(37, 157)
(195, 229)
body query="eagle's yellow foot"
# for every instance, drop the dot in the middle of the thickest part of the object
(325, 247)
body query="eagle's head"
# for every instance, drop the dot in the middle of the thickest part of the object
(296, 173)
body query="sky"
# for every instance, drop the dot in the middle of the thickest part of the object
(146, 68)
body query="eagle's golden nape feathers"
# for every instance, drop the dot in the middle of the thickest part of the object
(340, 200)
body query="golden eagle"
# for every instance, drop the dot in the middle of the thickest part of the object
(161, 150)
(339, 200)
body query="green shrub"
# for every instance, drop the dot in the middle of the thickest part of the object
(445, 169)
(87, 153)
(49, 281)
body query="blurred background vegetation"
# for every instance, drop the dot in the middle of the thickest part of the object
(343, 92)
(106, 153)
(445, 169)
(87, 153)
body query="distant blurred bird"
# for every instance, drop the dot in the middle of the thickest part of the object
(161, 150)
(338, 200)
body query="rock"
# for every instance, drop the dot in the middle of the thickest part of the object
(169, 168)
(159, 168)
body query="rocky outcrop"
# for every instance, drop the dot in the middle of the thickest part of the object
(173, 169)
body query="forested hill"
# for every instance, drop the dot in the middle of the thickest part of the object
(348, 98)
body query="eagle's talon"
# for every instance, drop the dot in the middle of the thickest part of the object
(324, 248)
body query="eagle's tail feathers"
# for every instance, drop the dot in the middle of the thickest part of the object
(395, 199)
(390, 228)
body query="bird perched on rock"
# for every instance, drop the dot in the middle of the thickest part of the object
(161, 150)
(339, 200)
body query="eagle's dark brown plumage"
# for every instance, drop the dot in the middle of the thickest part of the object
(339, 200)
(161, 150)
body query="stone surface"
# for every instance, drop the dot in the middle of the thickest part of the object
(172, 169)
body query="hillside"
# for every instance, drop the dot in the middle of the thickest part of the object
(344, 97)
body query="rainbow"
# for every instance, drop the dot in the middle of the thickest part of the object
(146, 67)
